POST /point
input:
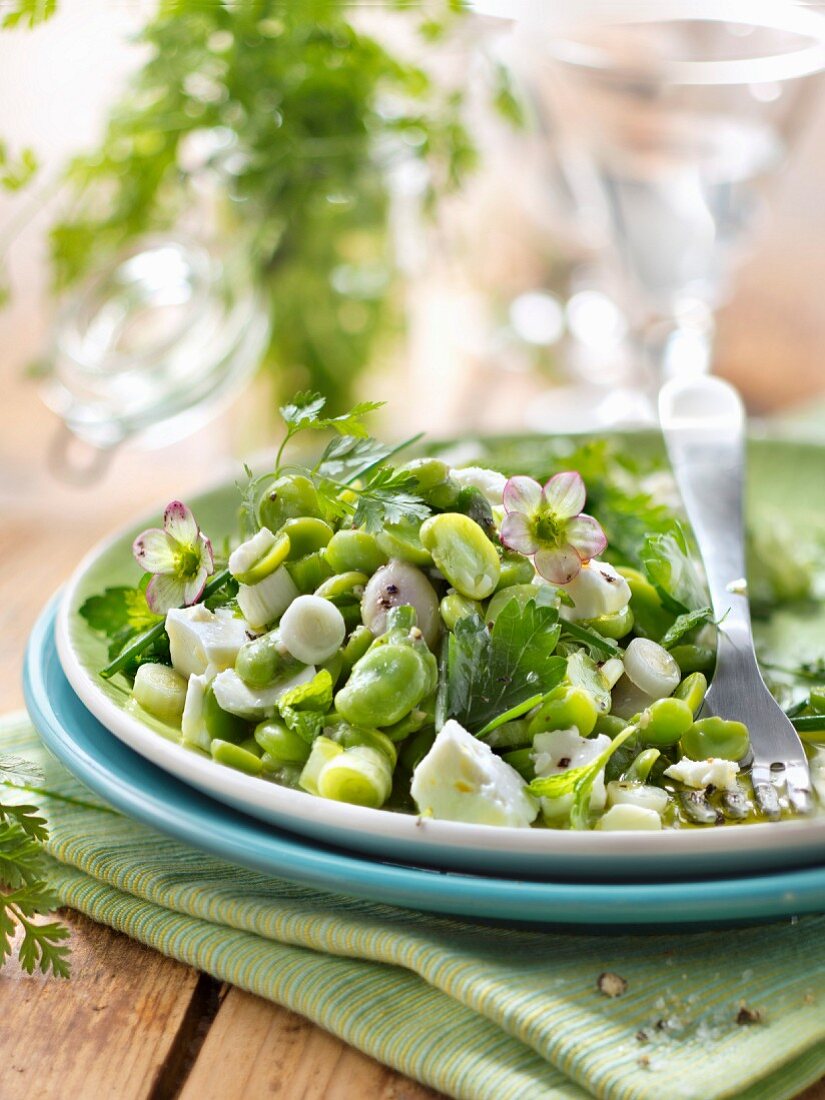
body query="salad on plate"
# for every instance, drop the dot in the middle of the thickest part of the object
(460, 641)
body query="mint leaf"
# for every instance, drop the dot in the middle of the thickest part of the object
(670, 570)
(488, 672)
(304, 708)
(684, 624)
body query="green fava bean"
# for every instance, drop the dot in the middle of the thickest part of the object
(565, 708)
(356, 646)
(718, 737)
(639, 771)
(462, 553)
(220, 724)
(522, 761)
(454, 607)
(651, 618)
(385, 685)
(310, 572)
(260, 660)
(693, 658)
(692, 690)
(285, 498)
(266, 565)
(615, 626)
(428, 473)
(343, 587)
(668, 721)
(515, 570)
(403, 542)
(306, 535)
(283, 745)
(610, 724)
(355, 551)
(233, 756)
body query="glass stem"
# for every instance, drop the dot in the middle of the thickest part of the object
(680, 344)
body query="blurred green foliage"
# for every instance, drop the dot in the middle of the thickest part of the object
(311, 103)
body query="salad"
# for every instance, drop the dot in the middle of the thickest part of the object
(464, 642)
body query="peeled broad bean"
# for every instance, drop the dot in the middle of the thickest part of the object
(651, 618)
(693, 658)
(310, 572)
(287, 497)
(565, 709)
(462, 553)
(544, 595)
(667, 721)
(220, 723)
(307, 534)
(283, 745)
(260, 660)
(515, 569)
(312, 629)
(233, 756)
(354, 551)
(402, 542)
(693, 690)
(385, 685)
(716, 737)
(454, 607)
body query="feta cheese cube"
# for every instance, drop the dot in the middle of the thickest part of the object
(236, 697)
(199, 637)
(558, 751)
(490, 483)
(624, 817)
(461, 779)
(248, 553)
(597, 590)
(705, 773)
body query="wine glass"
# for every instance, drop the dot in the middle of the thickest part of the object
(673, 117)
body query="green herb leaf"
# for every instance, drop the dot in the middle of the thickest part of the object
(348, 455)
(388, 498)
(29, 13)
(304, 708)
(491, 671)
(684, 625)
(670, 570)
(117, 609)
(579, 781)
(598, 645)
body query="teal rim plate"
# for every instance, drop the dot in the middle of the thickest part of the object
(150, 795)
(785, 480)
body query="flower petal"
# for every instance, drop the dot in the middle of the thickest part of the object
(207, 555)
(585, 534)
(517, 533)
(193, 586)
(154, 551)
(560, 565)
(522, 494)
(164, 592)
(179, 523)
(565, 494)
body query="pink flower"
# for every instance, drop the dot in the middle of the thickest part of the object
(179, 556)
(548, 525)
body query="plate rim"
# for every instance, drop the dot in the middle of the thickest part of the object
(406, 830)
(761, 895)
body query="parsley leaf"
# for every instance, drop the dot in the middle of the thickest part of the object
(579, 781)
(117, 609)
(490, 671)
(388, 498)
(347, 456)
(304, 708)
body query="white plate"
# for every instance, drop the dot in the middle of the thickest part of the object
(394, 836)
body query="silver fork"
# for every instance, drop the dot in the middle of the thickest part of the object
(703, 422)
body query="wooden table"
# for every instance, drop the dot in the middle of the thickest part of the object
(131, 1024)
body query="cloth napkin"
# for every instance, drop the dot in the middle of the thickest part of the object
(477, 1011)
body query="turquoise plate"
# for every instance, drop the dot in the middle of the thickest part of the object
(152, 796)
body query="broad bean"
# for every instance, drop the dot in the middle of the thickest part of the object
(463, 554)
(566, 708)
(307, 534)
(719, 737)
(667, 720)
(354, 551)
(692, 690)
(287, 497)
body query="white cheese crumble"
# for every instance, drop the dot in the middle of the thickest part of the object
(199, 637)
(705, 773)
(623, 817)
(597, 590)
(489, 483)
(461, 779)
(558, 751)
(236, 697)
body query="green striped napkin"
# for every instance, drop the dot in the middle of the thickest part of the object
(476, 1011)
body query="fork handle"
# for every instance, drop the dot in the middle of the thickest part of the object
(703, 423)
